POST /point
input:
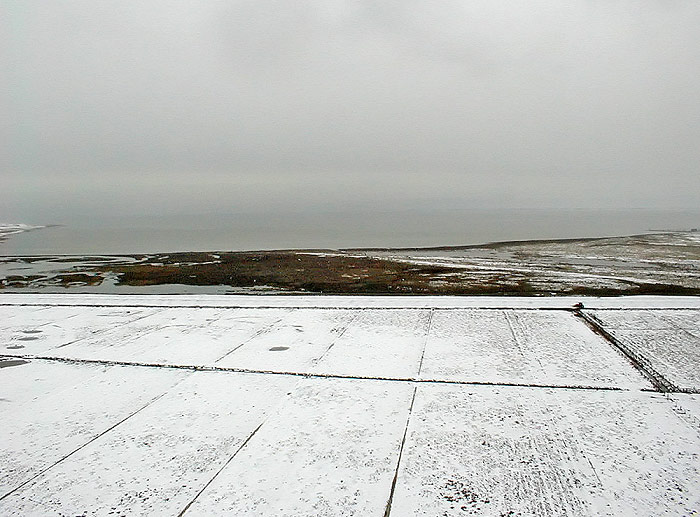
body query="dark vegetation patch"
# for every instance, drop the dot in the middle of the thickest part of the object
(82, 259)
(344, 274)
(285, 270)
(67, 279)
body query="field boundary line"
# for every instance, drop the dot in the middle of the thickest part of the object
(641, 363)
(91, 440)
(222, 369)
(387, 509)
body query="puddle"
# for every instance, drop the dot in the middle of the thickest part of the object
(6, 363)
(278, 348)
(27, 338)
(14, 347)
(31, 331)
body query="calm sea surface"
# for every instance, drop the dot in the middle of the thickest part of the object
(334, 230)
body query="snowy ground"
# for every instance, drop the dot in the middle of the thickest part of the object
(283, 405)
(616, 264)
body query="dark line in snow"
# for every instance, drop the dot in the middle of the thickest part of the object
(327, 375)
(425, 344)
(245, 442)
(335, 307)
(315, 307)
(637, 360)
(509, 317)
(90, 441)
(387, 510)
(643, 308)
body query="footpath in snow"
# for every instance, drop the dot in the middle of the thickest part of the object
(320, 405)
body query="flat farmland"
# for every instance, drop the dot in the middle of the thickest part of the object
(348, 406)
(666, 341)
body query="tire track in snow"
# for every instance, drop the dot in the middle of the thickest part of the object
(519, 335)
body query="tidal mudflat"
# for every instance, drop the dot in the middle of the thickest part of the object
(654, 263)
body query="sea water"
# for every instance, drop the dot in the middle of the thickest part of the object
(333, 230)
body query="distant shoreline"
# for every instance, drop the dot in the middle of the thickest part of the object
(652, 263)
(392, 230)
(458, 247)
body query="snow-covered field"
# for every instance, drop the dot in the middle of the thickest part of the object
(320, 405)
(562, 266)
(669, 340)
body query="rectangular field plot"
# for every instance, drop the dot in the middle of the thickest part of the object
(9, 314)
(379, 343)
(28, 317)
(550, 348)
(203, 342)
(669, 340)
(47, 330)
(293, 344)
(22, 381)
(156, 461)
(687, 406)
(654, 319)
(193, 338)
(528, 451)
(430, 408)
(331, 449)
(38, 433)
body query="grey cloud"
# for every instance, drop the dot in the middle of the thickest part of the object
(142, 105)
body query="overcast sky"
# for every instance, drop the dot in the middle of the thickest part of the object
(193, 106)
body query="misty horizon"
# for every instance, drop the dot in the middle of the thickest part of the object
(271, 107)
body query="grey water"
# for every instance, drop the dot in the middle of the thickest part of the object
(332, 230)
